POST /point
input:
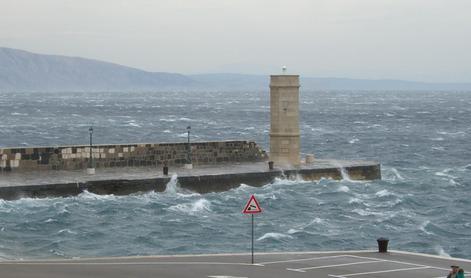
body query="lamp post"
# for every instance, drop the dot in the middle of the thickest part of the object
(189, 164)
(90, 169)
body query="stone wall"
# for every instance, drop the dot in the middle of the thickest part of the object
(127, 155)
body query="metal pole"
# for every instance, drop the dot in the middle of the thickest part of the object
(252, 239)
(90, 130)
(189, 146)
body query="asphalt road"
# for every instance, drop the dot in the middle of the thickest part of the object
(362, 264)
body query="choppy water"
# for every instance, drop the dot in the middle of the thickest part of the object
(422, 204)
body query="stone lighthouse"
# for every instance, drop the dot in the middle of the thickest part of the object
(284, 116)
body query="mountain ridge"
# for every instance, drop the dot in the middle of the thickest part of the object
(27, 71)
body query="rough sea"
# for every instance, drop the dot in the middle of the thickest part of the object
(422, 204)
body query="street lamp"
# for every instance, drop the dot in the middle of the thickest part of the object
(188, 164)
(90, 169)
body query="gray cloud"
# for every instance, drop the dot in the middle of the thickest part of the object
(426, 40)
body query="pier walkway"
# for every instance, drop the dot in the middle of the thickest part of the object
(360, 264)
(202, 179)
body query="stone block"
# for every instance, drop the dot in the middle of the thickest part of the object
(14, 163)
(17, 156)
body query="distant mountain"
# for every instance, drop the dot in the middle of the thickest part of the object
(227, 81)
(25, 71)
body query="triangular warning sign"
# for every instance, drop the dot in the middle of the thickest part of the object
(252, 206)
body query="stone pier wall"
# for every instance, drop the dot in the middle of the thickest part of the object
(127, 155)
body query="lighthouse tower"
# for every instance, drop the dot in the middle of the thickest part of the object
(284, 119)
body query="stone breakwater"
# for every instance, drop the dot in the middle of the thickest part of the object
(127, 155)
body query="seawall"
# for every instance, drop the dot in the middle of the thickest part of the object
(76, 157)
(203, 179)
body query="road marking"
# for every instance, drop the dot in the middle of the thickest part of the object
(334, 265)
(397, 262)
(381, 271)
(122, 263)
(305, 259)
(225, 276)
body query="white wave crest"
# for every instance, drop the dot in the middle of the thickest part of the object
(355, 201)
(383, 193)
(87, 195)
(66, 231)
(343, 188)
(198, 206)
(277, 236)
(423, 227)
(353, 141)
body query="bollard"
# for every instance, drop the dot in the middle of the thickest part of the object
(270, 165)
(165, 170)
(382, 245)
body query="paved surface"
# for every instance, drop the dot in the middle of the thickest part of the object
(131, 173)
(361, 264)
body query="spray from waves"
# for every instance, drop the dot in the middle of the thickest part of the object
(172, 185)
(172, 188)
(274, 236)
(441, 252)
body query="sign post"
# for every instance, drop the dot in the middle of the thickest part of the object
(252, 207)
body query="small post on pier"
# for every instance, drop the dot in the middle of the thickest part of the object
(189, 163)
(91, 168)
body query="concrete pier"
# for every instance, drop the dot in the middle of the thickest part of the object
(203, 179)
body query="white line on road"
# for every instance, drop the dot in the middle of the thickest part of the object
(225, 276)
(336, 265)
(123, 263)
(305, 259)
(397, 262)
(384, 271)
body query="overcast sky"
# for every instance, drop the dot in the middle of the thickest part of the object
(425, 40)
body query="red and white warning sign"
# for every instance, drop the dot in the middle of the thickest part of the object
(252, 206)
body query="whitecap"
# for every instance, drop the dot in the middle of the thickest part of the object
(167, 120)
(343, 188)
(92, 196)
(166, 131)
(355, 201)
(383, 193)
(423, 227)
(187, 119)
(198, 206)
(276, 236)
(293, 231)
(66, 231)
(133, 124)
(353, 141)
(396, 173)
